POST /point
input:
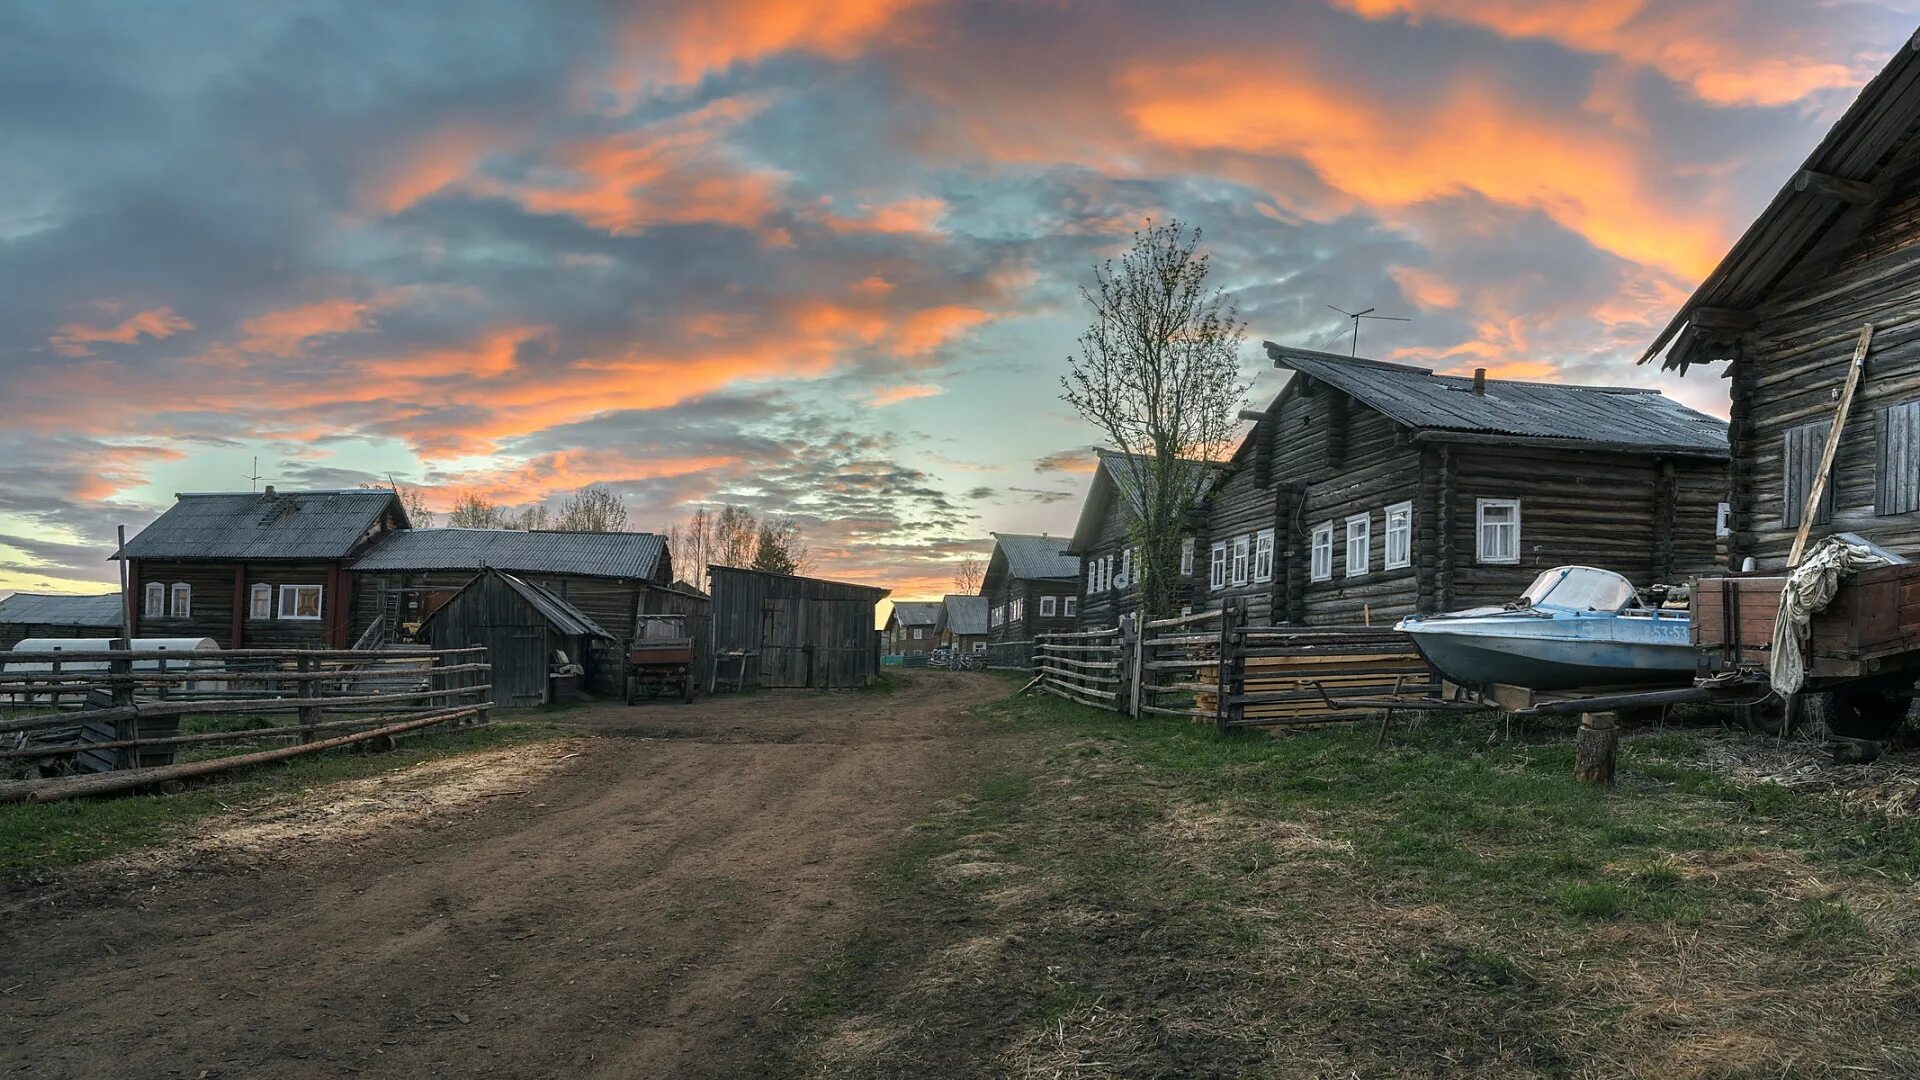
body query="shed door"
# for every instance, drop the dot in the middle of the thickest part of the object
(783, 640)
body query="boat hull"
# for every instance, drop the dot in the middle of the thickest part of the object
(1562, 653)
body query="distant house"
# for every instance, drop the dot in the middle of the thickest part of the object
(779, 630)
(1784, 309)
(913, 628)
(963, 623)
(47, 615)
(1031, 586)
(525, 629)
(264, 569)
(1105, 542)
(1372, 490)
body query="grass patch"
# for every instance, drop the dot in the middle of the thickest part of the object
(1156, 899)
(36, 837)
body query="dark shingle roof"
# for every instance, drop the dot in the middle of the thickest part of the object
(916, 613)
(965, 614)
(259, 525)
(612, 555)
(1036, 557)
(49, 609)
(1623, 417)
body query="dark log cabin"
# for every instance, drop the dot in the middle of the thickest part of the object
(1367, 491)
(1835, 250)
(1031, 586)
(963, 623)
(1104, 539)
(256, 569)
(913, 627)
(47, 615)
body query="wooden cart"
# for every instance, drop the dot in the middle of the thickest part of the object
(1871, 627)
(659, 661)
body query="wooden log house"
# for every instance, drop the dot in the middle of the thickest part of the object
(264, 569)
(48, 615)
(1104, 540)
(1367, 491)
(913, 627)
(963, 623)
(1032, 586)
(1781, 318)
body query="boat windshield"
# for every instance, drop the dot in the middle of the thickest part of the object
(1580, 588)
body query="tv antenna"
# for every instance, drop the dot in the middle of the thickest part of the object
(253, 478)
(1356, 316)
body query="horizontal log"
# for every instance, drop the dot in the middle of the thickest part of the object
(260, 705)
(183, 675)
(293, 655)
(275, 732)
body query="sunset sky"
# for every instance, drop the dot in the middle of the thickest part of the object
(815, 257)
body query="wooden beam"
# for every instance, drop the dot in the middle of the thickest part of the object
(1255, 415)
(1840, 411)
(1718, 318)
(1855, 192)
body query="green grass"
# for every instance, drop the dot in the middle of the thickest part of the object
(40, 837)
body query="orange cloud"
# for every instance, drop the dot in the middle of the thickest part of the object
(911, 215)
(431, 164)
(283, 332)
(894, 395)
(681, 44)
(1697, 45)
(161, 322)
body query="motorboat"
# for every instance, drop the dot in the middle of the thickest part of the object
(1575, 626)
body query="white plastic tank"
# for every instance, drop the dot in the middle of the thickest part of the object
(38, 654)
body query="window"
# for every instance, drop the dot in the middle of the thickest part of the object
(300, 601)
(1497, 535)
(1071, 603)
(1399, 537)
(1046, 606)
(1186, 557)
(1804, 447)
(1896, 477)
(919, 632)
(1126, 570)
(1242, 547)
(1263, 555)
(979, 646)
(182, 600)
(155, 606)
(1322, 568)
(1359, 540)
(260, 602)
(1720, 517)
(1217, 567)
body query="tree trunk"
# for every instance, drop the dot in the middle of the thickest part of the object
(1594, 747)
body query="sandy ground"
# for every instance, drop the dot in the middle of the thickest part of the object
(632, 905)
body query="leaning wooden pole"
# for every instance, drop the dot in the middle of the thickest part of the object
(1818, 489)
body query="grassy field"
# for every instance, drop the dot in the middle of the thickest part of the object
(1151, 899)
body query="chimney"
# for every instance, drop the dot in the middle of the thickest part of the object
(1479, 385)
(269, 492)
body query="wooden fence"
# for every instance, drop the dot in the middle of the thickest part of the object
(1010, 655)
(114, 715)
(1210, 667)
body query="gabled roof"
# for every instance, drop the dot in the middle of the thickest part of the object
(915, 613)
(583, 554)
(964, 615)
(1113, 476)
(56, 610)
(265, 524)
(1031, 558)
(1842, 173)
(559, 614)
(1607, 417)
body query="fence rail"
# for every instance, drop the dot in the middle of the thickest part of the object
(117, 713)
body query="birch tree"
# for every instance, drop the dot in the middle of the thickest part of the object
(1159, 373)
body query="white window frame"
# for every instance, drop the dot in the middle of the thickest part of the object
(1242, 561)
(1186, 556)
(979, 646)
(180, 600)
(919, 633)
(260, 602)
(290, 602)
(1263, 555)
(1321, 568)
(1217, 566)
(153, 603)
(1126, 568)
(1048, 604)
(1358, 568)
(1399, 543)
(1722, 520)
(1480, 550)
(1067, 609)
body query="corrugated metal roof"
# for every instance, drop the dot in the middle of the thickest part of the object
(262, 525)
(1611, 416)
(1882, 120)
(612, 555)
(56, 610)
(1111, 477)
(1035, 557)
(916, 613)
(564, 616)
(965, 614)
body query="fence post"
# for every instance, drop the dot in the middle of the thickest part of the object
(486, 696)
(56, 676)
(1229, 661)
(1138, 666)
(121, 693)
(309, 713)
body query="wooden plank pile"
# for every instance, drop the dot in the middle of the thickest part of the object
(1297, 675)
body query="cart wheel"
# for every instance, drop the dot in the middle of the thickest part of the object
(628, 684)
(686, 688)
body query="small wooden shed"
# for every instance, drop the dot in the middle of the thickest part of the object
(778, 630)
(524, 628)
(44, 615)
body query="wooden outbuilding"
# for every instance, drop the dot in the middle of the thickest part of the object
(1367, 491)
(780, 630)
(963, 623)
(535, 640)
(1787, 312)
(913, 627)
(1105, 542)
(49, 615)
(1032, 585)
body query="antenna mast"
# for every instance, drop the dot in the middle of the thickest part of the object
(1356, 316)
(253, 478)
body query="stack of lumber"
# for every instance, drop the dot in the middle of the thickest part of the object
(1286, 669)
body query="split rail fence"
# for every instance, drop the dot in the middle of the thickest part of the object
(112, 718)
(1210, 667)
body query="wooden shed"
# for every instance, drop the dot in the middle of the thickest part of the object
(46, 615)
(777, 630)
(525, 629)
(1786, 310)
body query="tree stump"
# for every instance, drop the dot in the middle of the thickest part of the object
(1594, 748)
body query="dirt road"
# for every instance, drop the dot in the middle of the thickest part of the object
(635, 910)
